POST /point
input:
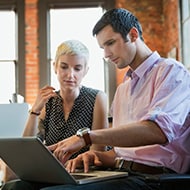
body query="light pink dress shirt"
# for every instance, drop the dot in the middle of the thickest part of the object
(158, 90)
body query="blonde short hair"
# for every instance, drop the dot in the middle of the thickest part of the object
(72, 47)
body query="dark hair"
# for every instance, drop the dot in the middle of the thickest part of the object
(121, 21)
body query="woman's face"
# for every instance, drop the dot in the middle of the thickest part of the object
(70, 70)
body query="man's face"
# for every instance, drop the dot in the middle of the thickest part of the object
(117, 50)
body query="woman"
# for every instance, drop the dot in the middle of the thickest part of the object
(56, 115)
(59, 114)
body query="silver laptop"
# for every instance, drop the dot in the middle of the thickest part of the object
(13, 119)
(32, 161)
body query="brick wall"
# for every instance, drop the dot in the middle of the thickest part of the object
(159, 19)
(31, 47)
(171, 28)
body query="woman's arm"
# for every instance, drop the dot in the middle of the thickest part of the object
(100, 117)
(34, 119)
(31, 128)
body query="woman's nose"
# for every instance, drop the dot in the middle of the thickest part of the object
(70, 73)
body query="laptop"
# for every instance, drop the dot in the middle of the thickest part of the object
(13, 119)
(30, 159)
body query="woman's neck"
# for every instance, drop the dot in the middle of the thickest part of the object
(68, 100)
(69, 95)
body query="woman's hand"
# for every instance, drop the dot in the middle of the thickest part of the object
(43, 96)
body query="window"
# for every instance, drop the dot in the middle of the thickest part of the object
(7, 55)
(46, 9)
(185, 22)
(63, 27)
(12, 70)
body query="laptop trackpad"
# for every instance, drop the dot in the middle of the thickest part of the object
(97, 175)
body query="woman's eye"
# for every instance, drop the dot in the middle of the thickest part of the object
(64, 67)
(77, 69)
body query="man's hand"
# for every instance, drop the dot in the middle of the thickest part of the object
(86, 159)
(64, 149)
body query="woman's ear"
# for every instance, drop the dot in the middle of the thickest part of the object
(86, 70)
(54, 67)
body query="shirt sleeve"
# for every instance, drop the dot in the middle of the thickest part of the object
(170, 105)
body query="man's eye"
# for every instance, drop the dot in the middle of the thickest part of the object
(111, 42)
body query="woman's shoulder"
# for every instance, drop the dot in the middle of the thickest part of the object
(89, 89)
(55, 100)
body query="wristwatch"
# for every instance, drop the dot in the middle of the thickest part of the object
(34, 113)
(84, 133)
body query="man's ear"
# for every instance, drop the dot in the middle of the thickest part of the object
(133, 34)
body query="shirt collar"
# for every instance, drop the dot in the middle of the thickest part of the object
(144, 66)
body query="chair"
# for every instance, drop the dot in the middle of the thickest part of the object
(170, 181)
(175, 181)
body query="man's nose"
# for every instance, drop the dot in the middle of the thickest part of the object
(107, 53)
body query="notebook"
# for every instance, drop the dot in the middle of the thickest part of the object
(32, 161)
(13, 119)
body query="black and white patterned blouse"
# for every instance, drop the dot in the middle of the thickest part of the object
(56, 128)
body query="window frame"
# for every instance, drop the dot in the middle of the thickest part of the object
(44, 38)
(18, 7)
(184, 42)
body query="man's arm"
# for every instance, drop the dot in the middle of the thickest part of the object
(131, 135)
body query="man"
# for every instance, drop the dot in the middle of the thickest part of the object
(150, 113)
